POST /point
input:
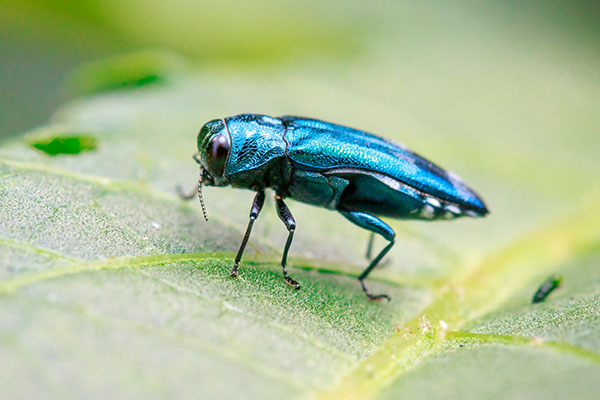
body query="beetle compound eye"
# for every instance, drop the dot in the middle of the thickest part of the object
(216, 155)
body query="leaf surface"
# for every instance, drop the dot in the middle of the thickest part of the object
(109, 284)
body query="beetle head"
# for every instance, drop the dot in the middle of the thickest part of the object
(214, 146)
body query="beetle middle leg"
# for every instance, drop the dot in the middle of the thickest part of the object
(370, 246)
(286, 216)
(375, 225)
(257, 204)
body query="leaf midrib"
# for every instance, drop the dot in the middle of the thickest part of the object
(494, 280)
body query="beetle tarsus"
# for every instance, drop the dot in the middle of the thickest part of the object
(289, 280)
(372, 296)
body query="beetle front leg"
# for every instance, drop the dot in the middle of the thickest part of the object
(186, 196)
(375, 225)
(257, 205)
(286, 216)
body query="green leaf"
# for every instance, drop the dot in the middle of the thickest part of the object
(110, 286)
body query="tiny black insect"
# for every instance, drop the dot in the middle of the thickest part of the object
(549, 285)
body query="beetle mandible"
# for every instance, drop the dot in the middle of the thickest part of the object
(358, 174)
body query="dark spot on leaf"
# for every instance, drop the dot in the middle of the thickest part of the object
(65, 144)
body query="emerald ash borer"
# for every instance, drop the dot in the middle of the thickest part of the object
(360, 175)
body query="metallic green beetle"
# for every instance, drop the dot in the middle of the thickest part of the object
(360, 175)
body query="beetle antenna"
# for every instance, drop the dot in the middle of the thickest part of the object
(200, 193)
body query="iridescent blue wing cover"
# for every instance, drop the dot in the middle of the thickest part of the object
(321, 146)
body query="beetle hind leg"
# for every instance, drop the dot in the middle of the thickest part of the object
(375, 225)
(369, 253)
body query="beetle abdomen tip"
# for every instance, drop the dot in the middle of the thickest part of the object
(434, 208)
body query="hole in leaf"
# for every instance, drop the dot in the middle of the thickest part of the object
(65, 144)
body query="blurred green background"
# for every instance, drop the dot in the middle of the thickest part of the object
(41, 42)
